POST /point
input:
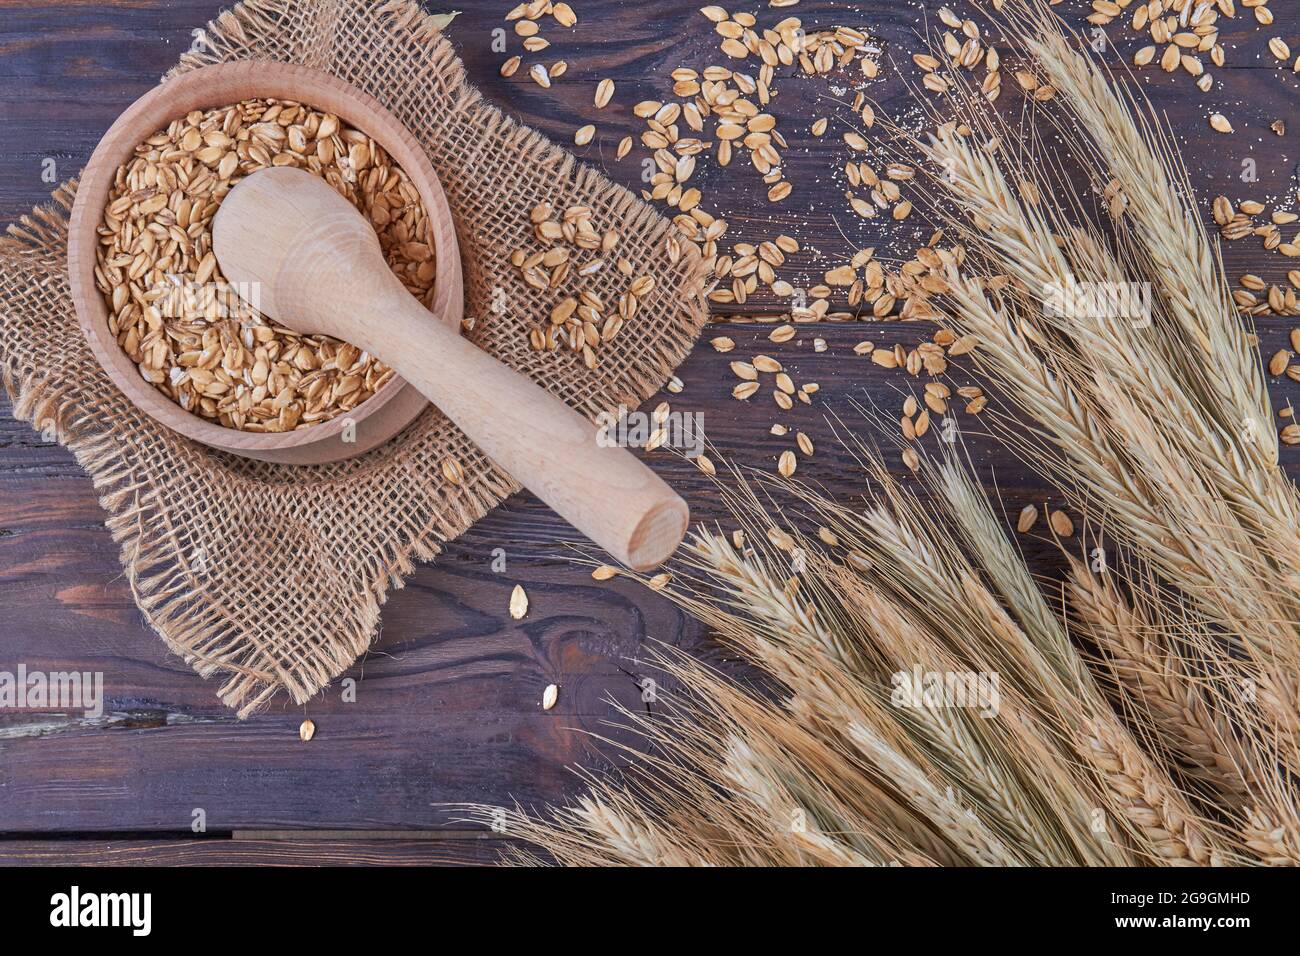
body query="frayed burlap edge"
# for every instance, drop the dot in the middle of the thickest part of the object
(102, 429)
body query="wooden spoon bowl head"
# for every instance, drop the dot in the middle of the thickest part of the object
(373, 422)
(313, 261)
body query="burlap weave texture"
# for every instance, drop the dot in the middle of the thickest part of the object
(269, 577)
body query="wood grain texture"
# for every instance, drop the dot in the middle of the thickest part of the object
(339, 851)
(447, 703)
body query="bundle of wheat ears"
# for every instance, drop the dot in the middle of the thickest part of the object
(1144, 711)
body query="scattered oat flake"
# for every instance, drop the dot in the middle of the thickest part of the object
(452, 471)
(306, 731)
(1062, 524)
(518, 602)
(966, 343)
(550, 696)
(605, 572)
(780, 539)
(1028, 516)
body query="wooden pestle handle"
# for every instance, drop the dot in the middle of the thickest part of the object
(317, 268)
(607, 493)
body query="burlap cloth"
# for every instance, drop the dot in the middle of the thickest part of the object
(270, 577)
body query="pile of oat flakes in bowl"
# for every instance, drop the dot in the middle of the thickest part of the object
(173, 313)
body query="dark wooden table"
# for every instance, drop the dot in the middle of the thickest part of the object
(447, 705)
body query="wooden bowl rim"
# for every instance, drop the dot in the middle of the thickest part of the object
(221, 85)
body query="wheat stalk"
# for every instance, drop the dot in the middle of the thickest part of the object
(1199, 497)
(1150, 679)
(1153, 442)
(1179, 251)
(799, 653)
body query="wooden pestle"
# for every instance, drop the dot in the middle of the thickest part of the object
(318, 269)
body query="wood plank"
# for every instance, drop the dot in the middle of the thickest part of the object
(225, 852)
(447, 704)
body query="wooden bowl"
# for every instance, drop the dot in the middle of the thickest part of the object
(378, 418)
